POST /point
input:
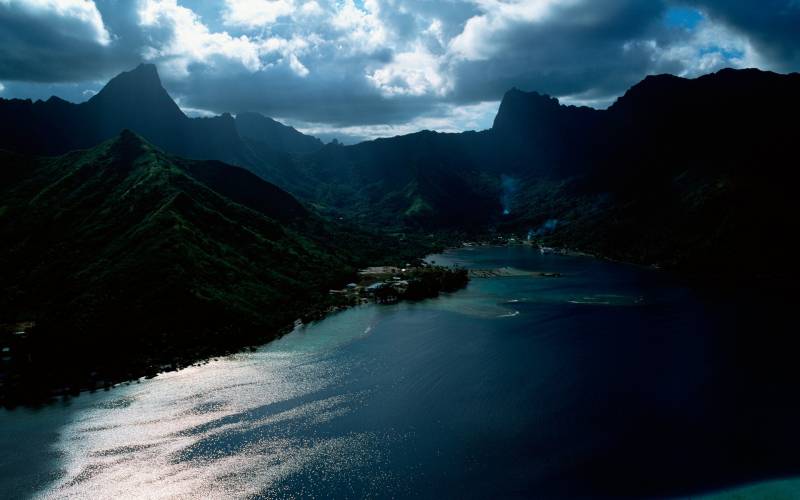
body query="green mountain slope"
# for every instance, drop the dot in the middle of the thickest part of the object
(126, 257)
(425, 180)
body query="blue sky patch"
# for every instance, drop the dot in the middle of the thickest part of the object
(683, 17)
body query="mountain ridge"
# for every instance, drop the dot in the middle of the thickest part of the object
(173, 259)
(663, 132)
(137, 100)
(676, 173)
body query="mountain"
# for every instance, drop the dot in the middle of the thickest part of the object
(690, 174)
(136, 100)
(696, 175)
(425, 180)
(676, 173)
(127, 258)
(444, 181)
(421, 189)
(274, 135)
(533, 133)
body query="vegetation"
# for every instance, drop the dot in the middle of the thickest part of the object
(429, 281)
(129, 260)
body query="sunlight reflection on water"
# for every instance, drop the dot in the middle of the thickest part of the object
(495, 391)
(244, 425)
(218, 430)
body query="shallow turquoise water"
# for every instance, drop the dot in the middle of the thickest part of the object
(611, 380)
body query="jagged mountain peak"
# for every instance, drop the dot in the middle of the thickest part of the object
(522, 112)
(143, 74)
(137, 92)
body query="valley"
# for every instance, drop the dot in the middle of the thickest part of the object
(214, 234)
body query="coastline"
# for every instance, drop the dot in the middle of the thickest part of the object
(358, 322)
(554, 250)
(320, 306)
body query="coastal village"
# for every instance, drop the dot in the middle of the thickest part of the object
(376, 284)
(389, 284)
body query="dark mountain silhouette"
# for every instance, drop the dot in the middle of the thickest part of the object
(136, 100)
(452, 181)
(691, 174)
(274, 135)
(675, 172)
(534, 133)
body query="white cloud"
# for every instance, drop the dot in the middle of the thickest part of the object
(193, 112)
(253, 13)
(2, 87)
(476, 40)
(297, 66)
(415, 73)
(371, 61)
(589, 99)
(709, 47)
(444, 118)
(311, 8)
(84, 11)
(435, 30)
(191, 41)
(361, 29)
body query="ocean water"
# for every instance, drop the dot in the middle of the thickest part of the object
(608, 381)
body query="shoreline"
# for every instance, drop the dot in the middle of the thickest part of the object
(560, 251)
(317, 310)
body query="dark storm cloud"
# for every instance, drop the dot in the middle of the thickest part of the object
(58, 41)
(772, 25)
(283, 94)
(578, 49)
(363, 63)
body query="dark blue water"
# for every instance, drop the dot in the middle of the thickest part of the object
(609, 381)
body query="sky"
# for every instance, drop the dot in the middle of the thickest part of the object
(359, 69)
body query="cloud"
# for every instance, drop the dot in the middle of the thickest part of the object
(73, 92)
(442, 118)
(379, 66)
(707, 48)
(252, 13)
(52, 40)
(772, 26)
(338, 95)
(415, 73)
(188, 41)
(479, 38)
(360, 30)
(82, 12)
